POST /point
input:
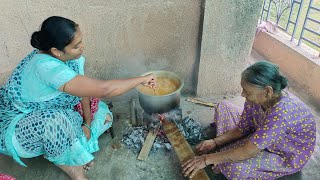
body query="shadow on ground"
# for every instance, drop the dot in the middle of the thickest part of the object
(115, 162)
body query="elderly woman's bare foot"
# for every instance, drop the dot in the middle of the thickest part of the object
(74, 172)
(216, 170)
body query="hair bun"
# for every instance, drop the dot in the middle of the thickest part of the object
(38, 41)
(283, 81)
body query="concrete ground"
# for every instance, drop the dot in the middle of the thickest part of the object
(115, 162)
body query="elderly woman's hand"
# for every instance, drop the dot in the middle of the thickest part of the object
(206, 146)
(149, 80)
(193, 165)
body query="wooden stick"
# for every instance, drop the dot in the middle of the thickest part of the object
(133, 114)
(147, 145)
(181, 147)
(197, 101)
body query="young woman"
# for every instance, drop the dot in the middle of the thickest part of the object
(37, 104)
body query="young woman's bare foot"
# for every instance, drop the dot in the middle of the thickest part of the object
(74, 172)
(108, 119)
(88, 166)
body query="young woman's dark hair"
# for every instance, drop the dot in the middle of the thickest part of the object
(55, 32)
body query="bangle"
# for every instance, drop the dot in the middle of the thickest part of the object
(215, 142)
(205, 160)
(86, 125)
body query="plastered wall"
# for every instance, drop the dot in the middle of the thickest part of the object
(302, 70)
(125, 38)
(228, 33)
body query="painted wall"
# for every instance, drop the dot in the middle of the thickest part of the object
(123, 38)
(228, 33)
(301, 69)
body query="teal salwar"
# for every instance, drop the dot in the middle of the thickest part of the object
(38, 119)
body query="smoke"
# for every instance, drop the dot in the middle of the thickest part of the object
(139, 64)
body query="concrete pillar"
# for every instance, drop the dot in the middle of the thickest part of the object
(228, 33)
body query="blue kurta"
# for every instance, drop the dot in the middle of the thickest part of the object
(38, 119)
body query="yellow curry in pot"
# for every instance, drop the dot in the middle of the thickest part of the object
(164, 86)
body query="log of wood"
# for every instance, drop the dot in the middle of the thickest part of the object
(147, 145)
(181, 147)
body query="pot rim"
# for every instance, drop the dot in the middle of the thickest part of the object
(163, 71)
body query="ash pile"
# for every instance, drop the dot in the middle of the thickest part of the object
(191, 129)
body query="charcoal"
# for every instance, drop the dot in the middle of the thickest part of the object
(141, 139)
(168, 146)
(157, 145)
(190, 129)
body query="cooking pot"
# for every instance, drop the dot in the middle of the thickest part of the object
(161, 103)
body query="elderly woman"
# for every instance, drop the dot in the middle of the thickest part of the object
(274, 135)
(37, 104)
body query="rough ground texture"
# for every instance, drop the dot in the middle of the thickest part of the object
(115, 162)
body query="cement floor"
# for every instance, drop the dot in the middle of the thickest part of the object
(116, 162)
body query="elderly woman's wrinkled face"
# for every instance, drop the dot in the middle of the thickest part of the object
(253, 93)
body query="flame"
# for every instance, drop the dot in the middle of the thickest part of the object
(161, 118)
